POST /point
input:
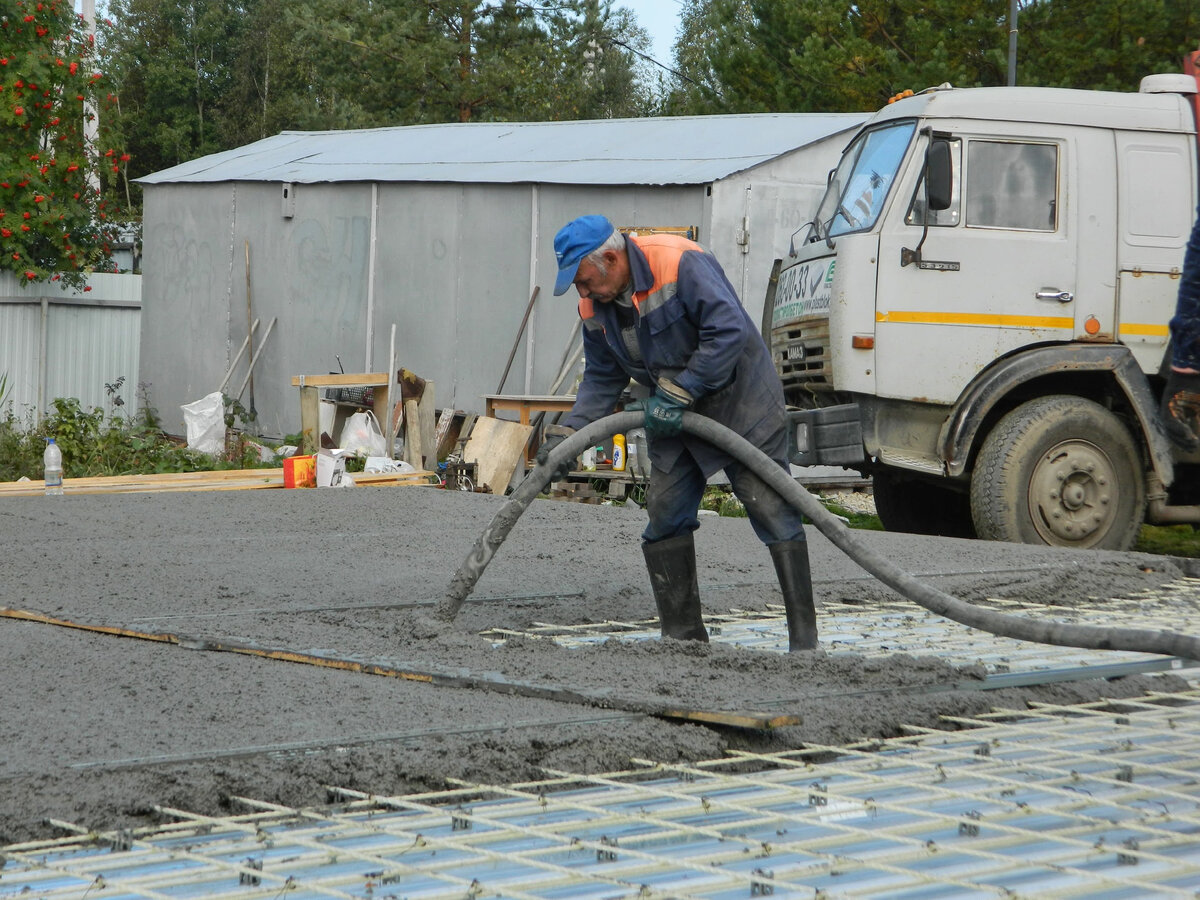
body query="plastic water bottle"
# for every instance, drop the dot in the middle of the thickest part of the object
(52, 460)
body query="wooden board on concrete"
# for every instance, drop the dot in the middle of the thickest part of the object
(498, 447)
(219, 480)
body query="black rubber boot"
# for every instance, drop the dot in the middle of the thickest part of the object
(672, 567)
(795, 581)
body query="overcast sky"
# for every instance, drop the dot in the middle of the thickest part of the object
(660, 18)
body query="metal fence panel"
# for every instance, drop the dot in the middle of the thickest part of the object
(56, 342)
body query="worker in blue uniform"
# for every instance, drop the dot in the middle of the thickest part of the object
(659, 309)
(1181, 397)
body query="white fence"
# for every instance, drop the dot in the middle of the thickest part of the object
(56, 342)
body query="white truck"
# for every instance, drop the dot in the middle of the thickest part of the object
(977, 315)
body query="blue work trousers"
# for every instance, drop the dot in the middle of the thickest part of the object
(673, 499)
(1185, 325)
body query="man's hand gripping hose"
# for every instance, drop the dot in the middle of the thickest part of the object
(1091, 637)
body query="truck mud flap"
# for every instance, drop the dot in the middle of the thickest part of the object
(825, 437)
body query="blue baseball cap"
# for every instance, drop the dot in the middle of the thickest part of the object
(574, 241)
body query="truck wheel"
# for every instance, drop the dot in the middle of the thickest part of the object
(916, 506)
(1062, 471)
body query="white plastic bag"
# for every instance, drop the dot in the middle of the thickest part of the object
(362, 435)
(382, 465)
(205, 421)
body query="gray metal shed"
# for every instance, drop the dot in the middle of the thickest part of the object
(443, 231)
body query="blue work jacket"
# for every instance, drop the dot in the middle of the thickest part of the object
(690, 328)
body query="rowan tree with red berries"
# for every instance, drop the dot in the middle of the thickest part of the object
(54, 222)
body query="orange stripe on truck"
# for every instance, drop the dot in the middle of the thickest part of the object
(907, 317)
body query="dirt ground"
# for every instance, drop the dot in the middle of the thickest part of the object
(99, 729)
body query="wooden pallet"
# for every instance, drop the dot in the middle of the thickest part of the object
(576, 492)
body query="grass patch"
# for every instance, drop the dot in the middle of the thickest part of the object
(1161, 540)
(1169, 540)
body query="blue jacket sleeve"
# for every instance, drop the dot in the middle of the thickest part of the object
(722, 326)
(603, 381)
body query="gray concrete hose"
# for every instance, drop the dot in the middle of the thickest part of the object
(1168, 643)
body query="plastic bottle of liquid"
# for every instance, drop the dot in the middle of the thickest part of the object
(618, 454)
(639, 452)
(52, 460)
(589, 459)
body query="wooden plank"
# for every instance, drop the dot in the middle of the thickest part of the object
(350, 379)
(408, 479)
(490, 681)
(310, 419)
(414, 453)
(442, 439)
(233, 479)
(222, 480)
(733, 718)
(497, 446)
(425, 420)
(164, 478)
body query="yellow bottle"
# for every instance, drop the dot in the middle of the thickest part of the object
(618, 453)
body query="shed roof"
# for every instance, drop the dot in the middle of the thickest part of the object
(678, 150)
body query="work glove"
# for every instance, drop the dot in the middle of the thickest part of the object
(555, 435)
(663, 410)
(1180, 409)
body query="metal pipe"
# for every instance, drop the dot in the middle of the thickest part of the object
(43, 363)
(530, 341)
(1159, 513)
(1012, 42)
(370, 329)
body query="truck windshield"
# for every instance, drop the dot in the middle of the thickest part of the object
(862, 180)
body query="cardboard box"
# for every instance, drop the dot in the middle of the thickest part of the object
(300, 471)
(331, 467)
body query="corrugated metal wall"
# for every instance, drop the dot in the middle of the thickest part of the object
(450, 265)
(60, 343)
(452, 271)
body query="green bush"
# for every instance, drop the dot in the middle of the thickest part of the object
(94, 444)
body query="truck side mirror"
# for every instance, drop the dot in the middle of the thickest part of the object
(939, 177)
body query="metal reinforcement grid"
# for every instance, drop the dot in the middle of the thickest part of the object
(886, 628)
(1100, 800)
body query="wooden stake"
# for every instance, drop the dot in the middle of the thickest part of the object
(517, 343)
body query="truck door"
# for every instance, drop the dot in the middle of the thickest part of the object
(997, 270)
(1156, 177)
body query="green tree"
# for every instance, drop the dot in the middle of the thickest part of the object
(813, 55)
(53, 220)
(408, 62)
(1103, 44)
(172, 61)
(201, 76)
(606, 67)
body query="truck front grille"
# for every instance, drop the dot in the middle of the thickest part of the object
(800, 350)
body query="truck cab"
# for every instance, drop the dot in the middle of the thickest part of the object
(977, 315)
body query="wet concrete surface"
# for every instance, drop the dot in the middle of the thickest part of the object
(100, 729)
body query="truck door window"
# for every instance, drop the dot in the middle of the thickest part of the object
(864, 177)
(943, 217)
(1012, 185)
